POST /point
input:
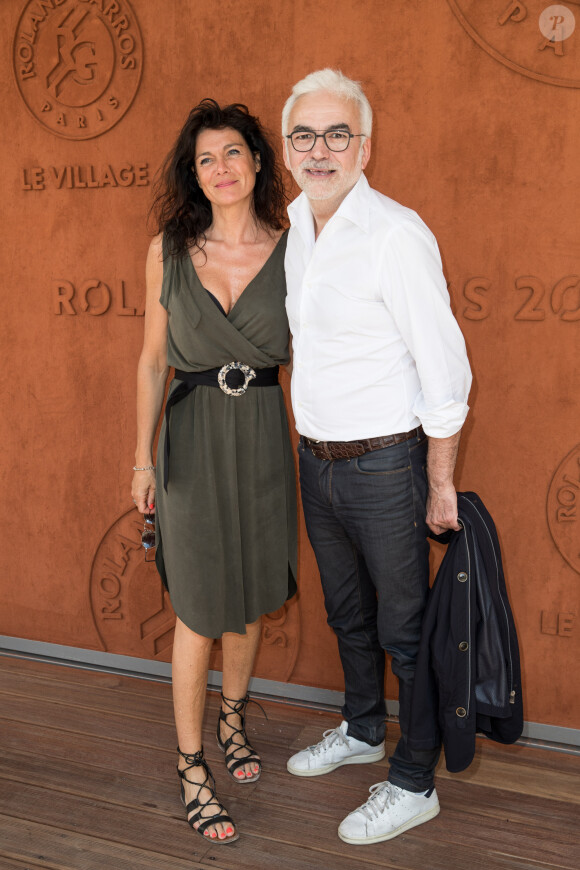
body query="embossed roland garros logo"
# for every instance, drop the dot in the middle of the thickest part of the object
(563, 508)
(535, 38)
(133, 614)
(131, 609)
(78, 63)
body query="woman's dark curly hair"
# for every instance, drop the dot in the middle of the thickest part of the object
(180, 207)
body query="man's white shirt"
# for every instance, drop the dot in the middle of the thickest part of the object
(376, 348)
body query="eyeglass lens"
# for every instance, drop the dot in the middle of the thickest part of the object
(335, 140)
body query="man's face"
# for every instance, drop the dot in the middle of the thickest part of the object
(321, 173)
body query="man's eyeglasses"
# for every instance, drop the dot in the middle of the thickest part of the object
(148, 537)
(335, 140)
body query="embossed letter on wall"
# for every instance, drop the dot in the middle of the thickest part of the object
(535, 301)
(564, 508)
(85, 176)
(78, 63)
(532, 37)
(93, 297)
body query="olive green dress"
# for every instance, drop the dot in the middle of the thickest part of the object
(226, 526)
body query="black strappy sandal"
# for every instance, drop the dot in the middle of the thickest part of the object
(231, 746)
(197, 760)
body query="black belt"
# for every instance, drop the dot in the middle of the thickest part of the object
(242, 376)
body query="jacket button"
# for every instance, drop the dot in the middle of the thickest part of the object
(461, 712)
(463, 645)
(462, 576)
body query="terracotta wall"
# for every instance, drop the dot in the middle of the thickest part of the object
(476, 128)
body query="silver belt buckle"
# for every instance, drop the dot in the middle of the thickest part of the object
(247, 372)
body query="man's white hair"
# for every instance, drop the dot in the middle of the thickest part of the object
(334, 82)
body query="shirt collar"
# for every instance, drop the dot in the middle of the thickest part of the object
(355, 205)
(353, 208)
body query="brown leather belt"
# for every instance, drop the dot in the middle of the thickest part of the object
(352, 449)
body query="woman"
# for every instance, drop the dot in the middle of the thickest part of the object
(224, 493)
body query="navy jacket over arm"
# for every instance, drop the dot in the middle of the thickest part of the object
(468, 667)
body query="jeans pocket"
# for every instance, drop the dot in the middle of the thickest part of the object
(414, 444)
(388, 460)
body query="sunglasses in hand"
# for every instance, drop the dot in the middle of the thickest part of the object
(148, 537)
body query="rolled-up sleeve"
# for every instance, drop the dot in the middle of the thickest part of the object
(415, 292)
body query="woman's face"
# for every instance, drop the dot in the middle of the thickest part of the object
(225, 167)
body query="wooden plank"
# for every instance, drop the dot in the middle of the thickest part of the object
(351, 781)
(77, 852)
(286, 713)
(153, 784)
(156, 757)
(312, 722)
(110, 754)
(256, 853)
(17, 864)
(514, 758)
(63, 847)
(104, 691)
(145, 828)
(88, 696)
(405, 853)
(99, 724)
(103, 770)
(65, 850)
(76, 709)
(111, 741)
(521, 777)
(152, 759)
(490, 767)
(339, 791)
(557, 816)
(16, 675)
(462, 823)
(148, 828)
(60, 673)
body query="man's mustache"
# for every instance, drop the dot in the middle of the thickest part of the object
(319, 164)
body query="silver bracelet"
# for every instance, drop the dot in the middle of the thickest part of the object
(143, 468)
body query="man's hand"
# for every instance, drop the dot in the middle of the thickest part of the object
(442, 509)
(442, 498)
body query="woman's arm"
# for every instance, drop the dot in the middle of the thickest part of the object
(151, 377)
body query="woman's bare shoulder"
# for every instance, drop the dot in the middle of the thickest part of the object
(156, 244)
(155, 253)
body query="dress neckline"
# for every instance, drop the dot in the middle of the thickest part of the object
(217, 302)
(249, 284)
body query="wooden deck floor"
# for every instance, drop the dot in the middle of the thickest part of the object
(87, 782)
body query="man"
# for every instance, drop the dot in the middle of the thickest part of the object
(379, 391)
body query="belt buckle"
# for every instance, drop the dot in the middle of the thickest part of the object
(248, 373)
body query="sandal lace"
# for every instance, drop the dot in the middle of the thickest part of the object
(196, 807)
(239, 707)
(231, 746)
(383, 794)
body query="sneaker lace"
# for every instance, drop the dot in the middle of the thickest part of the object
(329, 738)
(382, 794)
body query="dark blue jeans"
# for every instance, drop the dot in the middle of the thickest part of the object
(365, 518)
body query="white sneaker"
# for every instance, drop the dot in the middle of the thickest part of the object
(389, 811)
(334, 750)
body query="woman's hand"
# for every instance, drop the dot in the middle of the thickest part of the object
(143, 491)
